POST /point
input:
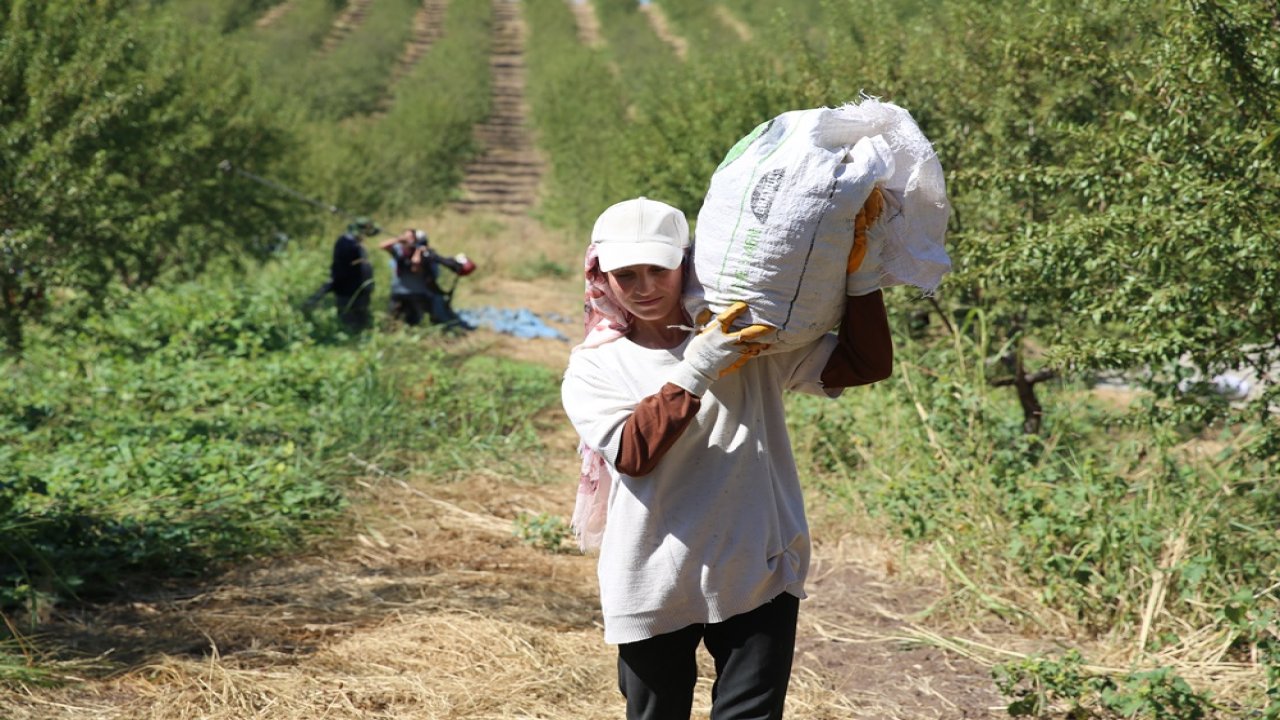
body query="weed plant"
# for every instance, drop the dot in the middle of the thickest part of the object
(1040, 687)
(1079, 530)
(544, 532)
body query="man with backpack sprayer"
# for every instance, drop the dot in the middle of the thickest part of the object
(415, 287)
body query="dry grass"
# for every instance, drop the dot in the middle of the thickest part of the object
(731, 21)
(430, 609)
(662, 28)
(444, 666)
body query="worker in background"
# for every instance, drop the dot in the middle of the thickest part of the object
(415, 285)
(351, 275)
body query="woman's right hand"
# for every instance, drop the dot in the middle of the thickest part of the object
(716, 351)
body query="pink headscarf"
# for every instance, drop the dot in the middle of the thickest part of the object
(604, 320)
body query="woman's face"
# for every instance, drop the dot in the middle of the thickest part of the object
(649, 292)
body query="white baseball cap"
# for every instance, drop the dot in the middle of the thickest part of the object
(640, 232)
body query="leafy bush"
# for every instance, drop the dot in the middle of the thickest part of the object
(1112, 168)
(112, 125)
(1083, 518)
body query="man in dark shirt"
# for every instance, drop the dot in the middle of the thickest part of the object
(351, 275)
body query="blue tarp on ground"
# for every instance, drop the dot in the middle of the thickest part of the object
(520, 322)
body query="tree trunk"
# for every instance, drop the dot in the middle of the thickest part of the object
(1025, 385)
(15, 302)
(12, 328)
(1032, 412)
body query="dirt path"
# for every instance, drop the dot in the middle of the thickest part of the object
(271, 16)
(662, 27)
(731, 21)
(584, 13)
(428, 26)
(504, 180)
(589, 33)
(348, 20)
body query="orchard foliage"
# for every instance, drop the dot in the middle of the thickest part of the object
(1113, 168)
(577, 101)
(115, 116)
(112, 124)
(1140, 227)
(411, 156)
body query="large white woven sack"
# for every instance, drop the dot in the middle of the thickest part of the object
(776, 226)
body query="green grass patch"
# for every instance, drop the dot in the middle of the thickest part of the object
(16, 669)
(210, 421)
(1077, 524)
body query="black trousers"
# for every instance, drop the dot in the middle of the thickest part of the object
(412, 308)
(752, 653)
(353, 311)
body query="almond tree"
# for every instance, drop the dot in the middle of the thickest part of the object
(113, 119)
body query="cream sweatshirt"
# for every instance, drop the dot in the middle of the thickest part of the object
(717, 528)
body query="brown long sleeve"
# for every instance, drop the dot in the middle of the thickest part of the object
(865, 351)
(658, 421)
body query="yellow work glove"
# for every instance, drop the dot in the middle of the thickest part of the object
(862, 274)
(716, 351)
